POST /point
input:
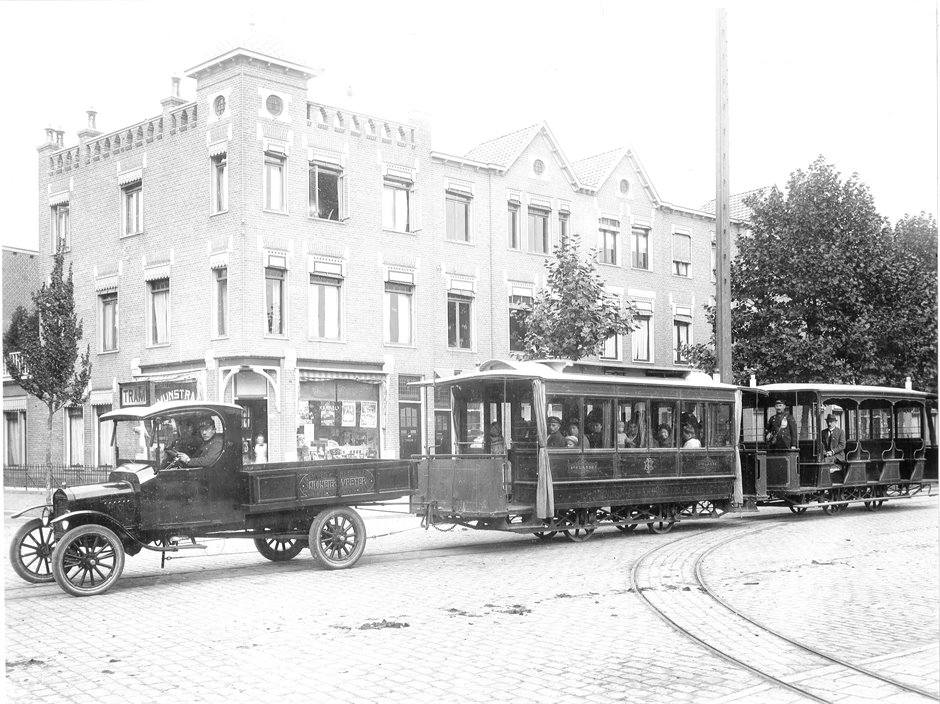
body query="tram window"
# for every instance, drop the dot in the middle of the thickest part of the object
(632, 424)
(719, 425)
(909, 421)
(523, 424)
(807, 420)
(663, 423)
(568, 409)
(598, 423)
(846, 412)
(752, 425)
(875, 424)
(690, 424)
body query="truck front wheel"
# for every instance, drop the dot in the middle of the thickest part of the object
(88, 560)
(337, 538)
(278, 550)
(31, 551)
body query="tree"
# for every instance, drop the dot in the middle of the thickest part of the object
(573, 316)
(823, 289)
(40, 349)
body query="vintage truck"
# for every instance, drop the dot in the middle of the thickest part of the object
(153, 501)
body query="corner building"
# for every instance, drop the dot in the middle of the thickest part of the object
(308, 262)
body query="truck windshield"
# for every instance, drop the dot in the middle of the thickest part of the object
(157, 440)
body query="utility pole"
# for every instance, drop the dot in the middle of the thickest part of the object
(722, 207)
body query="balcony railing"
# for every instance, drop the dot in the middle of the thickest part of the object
(14, 359)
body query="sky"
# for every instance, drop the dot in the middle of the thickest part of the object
(855, 82)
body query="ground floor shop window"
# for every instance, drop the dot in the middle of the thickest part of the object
(14, 438)
(337, 418)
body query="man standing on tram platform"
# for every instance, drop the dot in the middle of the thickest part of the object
(781, 433)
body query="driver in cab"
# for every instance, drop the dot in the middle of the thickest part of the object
(209, 451)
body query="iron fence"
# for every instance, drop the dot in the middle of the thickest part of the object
(33, 476)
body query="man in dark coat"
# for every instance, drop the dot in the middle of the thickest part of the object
(210, 450)
(555, 438)
(781, 432)
(832, 445)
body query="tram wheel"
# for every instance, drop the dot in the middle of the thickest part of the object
(579, 535)
(798, 510)
(660, 527)
(627, 528)
(545, 534)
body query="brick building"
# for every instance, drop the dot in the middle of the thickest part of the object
(308, 262)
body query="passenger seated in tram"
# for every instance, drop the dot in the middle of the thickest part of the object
(689, 441)
(627, 434)
(555, 438)
(573, 439)
(495, 444)
(595, 434)
(832, 448)
(664, 436)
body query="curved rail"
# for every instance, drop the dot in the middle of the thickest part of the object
(739, 639)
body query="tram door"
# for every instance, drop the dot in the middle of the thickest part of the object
(409, 429)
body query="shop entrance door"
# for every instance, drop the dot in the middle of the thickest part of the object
(409, 429)
(254, 423)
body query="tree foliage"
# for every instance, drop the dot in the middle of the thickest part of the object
(574, 314)
(40, 349)
(824, 289)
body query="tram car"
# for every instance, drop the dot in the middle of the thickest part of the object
(887, 446)
(540, 450)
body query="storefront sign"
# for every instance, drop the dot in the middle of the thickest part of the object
(174, 391)
(135, 393)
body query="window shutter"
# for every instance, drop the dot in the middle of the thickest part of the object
(415, 215)
(344, 197)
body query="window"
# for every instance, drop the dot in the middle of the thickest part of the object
(220, 301)
(75, 436)
(680, 337)
(219, 183)
(519, 307)
(274, 295)
(132, 198)
(681, 254)
(108, 317)
(720, 425)
(691, 430)
(539, 231)
(458, 216)
(274, 182)
(459, 329)
(611, 349)
(326, 307)
(642, 343)
(104, 450)
(562, 227)
(398, 206)
(714, 262)
(639, 247)
(399, 302)
(327, 192)
(513, 227)
(663, 424)
(61, 228)
(607, 237)
(14, 438)
(159, 310)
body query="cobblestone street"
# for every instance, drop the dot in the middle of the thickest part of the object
(464, 615)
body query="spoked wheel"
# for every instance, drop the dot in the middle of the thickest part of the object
(582, 526)
(31, 551)
(279, 550)
(627, 528)
(798, 510)
(660, 527)
(875, 503)
(88, 560)
(337, 538)
(621, 513)
(545, 534)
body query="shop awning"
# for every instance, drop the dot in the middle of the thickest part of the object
(328, 375)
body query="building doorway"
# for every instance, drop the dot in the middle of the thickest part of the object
(409, 429)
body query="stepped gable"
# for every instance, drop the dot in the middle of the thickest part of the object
(503, 151)
(736, 207)
(594, 170)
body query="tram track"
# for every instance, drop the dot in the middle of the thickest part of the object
(669, 579)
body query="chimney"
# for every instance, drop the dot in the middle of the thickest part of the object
(49, 145)
(908, 386)
(60, 138)
(753, 382)
(174, 100)
(90, 132)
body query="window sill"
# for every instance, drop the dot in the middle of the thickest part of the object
(399, 232)
(271, 336)
(639, 268)
(466, 243)
(275, 212)
(158, 345)
(401, 345)
(316, 218)
(104, 352)
(128, 235)
(612, 266)
(219, 338)
(218, 212)
(468, 350)
(327, 340)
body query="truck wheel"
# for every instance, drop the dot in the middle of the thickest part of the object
(88, 560)
(277, 550)
(31, 551)
(337, 538)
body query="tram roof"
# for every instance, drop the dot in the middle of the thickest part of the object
(848, 390)
(553, 370)
(140, 412)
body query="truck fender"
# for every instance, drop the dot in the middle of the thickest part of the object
(101, 519)
(31, 508)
